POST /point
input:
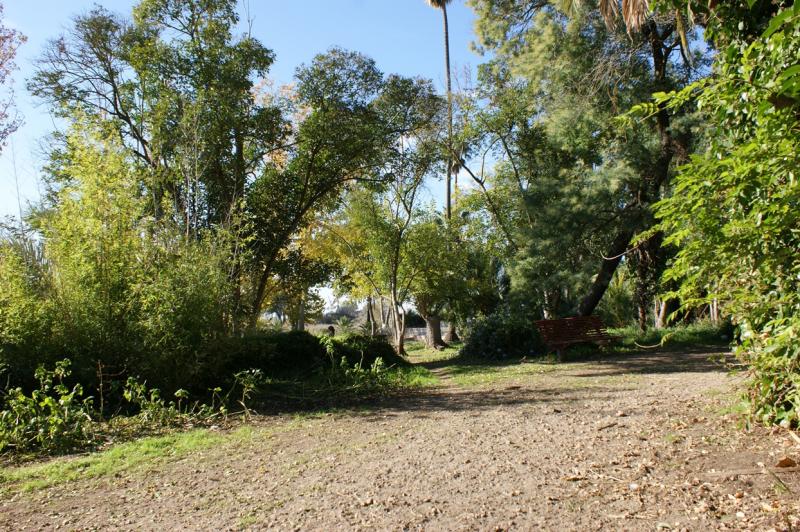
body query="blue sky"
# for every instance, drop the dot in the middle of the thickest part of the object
(403, 36)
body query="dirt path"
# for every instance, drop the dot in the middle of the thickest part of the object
(633, 443)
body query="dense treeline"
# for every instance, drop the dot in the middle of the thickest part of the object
(190, 199)
(178, 198)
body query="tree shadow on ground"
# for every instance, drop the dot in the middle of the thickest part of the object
(440, 399)
(696, 359)
(462, 361)
(674, 359)
(499, 396)
(584, 380)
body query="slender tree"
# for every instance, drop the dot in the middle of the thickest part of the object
(10, 40)
(442, 4)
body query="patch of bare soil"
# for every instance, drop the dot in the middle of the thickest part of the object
(631, 443)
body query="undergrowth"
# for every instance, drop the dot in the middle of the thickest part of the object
(698, 333)
(57, 419)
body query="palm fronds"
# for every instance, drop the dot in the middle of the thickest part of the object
(634, 13)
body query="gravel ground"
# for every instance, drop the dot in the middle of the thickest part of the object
(639, 442)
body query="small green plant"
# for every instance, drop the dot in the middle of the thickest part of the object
(345, 322)
(360, 380)
(53, 418)
(249, 381)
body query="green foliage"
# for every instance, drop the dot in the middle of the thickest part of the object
(734, 210)
(356, 122)
(276, 354)
(295, 354)
(504, 334)
(571, 186)
(214, 151)
(176, 86)
(105, 285)
(364, 350)
(182, 304)
(155, 413)
(25, 316)
(703, 333)
(249, 381)
(360, 379)
(53, 418)
(346, 380)
(618, 307)
(385, 241)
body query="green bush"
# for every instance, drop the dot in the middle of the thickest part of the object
(501, 335)
(733, 215)
(290, 354)
(359, 379)
(773, 355)
(365, 350)
(53, 418)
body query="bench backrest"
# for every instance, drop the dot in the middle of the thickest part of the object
(586, 328)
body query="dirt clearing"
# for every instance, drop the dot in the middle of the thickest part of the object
(637, 442)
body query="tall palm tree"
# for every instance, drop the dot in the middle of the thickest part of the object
(442, 4)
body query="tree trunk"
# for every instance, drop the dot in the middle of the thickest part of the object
(642, 305)
(433, 332)
(665, 309)
(713, 311)
(450, 162)
(606, 273)
(300, 325)
(642, 292)
(370, 316)
(452, 334)
(399, 323)
(552, 301)
(260, 292)
(384, 315)
(659, 314)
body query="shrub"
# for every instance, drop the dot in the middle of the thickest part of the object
(277, 354)
(501, 335)
(53, 417)
(24, 316)
(773, 392)
(360, 379)
(156, 413)
(365, 350)
(618, 306)
(733, 213)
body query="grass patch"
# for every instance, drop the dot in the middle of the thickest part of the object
(416, 377)
(467, 371)
(144, 453)
(248, 521)
(413, 345)
(426, 356)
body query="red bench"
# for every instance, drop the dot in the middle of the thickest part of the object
(561, 333)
